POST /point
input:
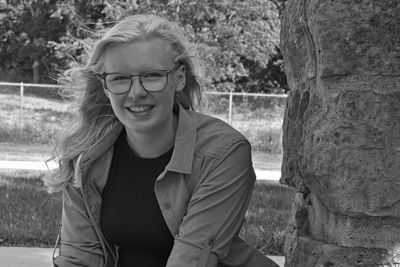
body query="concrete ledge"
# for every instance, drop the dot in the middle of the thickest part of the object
(41, 257)
(25, 257)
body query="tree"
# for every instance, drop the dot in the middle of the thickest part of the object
(237, 40)
(30, 32)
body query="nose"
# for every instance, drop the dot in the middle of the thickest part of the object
(136, 90)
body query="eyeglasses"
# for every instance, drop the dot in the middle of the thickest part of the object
(151, 81)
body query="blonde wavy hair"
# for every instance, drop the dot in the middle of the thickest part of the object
(95, 116)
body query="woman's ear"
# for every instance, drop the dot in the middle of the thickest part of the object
(181, 78)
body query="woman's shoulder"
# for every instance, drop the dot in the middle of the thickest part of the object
(215, 135)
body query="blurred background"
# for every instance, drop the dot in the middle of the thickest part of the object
(237, 43)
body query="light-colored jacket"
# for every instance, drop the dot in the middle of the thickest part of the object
(203, 194)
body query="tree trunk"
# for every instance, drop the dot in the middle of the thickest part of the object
(35, 70)
(341, 132)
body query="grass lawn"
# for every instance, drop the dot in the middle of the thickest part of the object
(42, 118)
(265, 161)
(25, 152)
(31, 216)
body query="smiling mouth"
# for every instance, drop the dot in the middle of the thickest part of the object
(140, 109)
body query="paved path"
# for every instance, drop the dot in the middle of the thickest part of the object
(33, 165)
(41, 257)
(26, 165)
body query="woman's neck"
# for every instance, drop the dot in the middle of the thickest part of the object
(152, 145)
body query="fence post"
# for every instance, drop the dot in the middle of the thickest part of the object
(21, 105)
(230, 107)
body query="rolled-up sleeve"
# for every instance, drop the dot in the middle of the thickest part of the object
(216, 209)
(79, 242)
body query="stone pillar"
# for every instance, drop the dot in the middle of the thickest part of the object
(341, 132)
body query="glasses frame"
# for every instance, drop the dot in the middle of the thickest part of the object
(167, 72)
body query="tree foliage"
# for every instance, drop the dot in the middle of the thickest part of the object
(238, 41)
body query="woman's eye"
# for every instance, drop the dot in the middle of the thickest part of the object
(153, 75)
(119, 78)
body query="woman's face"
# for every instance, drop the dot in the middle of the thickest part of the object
(140, 110)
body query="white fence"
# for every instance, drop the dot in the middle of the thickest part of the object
(231, 94)
(21, 86)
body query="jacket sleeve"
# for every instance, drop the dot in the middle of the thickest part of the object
(216, 209)
(79, 243)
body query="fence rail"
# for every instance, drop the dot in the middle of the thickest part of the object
(230, 94)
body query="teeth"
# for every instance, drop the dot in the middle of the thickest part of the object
(139, 108)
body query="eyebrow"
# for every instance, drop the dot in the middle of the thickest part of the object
(145, 69)
(152, 67)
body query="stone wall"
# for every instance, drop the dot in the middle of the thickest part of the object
(341, 132)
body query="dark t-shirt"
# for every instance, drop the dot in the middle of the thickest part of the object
(130, 215)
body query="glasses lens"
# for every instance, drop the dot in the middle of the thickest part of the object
(154, 80)
(118, 83)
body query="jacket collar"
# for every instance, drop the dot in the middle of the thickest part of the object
(182, 156)
(185, 139)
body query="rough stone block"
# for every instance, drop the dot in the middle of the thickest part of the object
(341, 131)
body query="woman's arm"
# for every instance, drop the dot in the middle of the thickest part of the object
(79, 243)
(216, 210)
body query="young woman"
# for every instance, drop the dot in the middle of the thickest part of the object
(146, 180)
